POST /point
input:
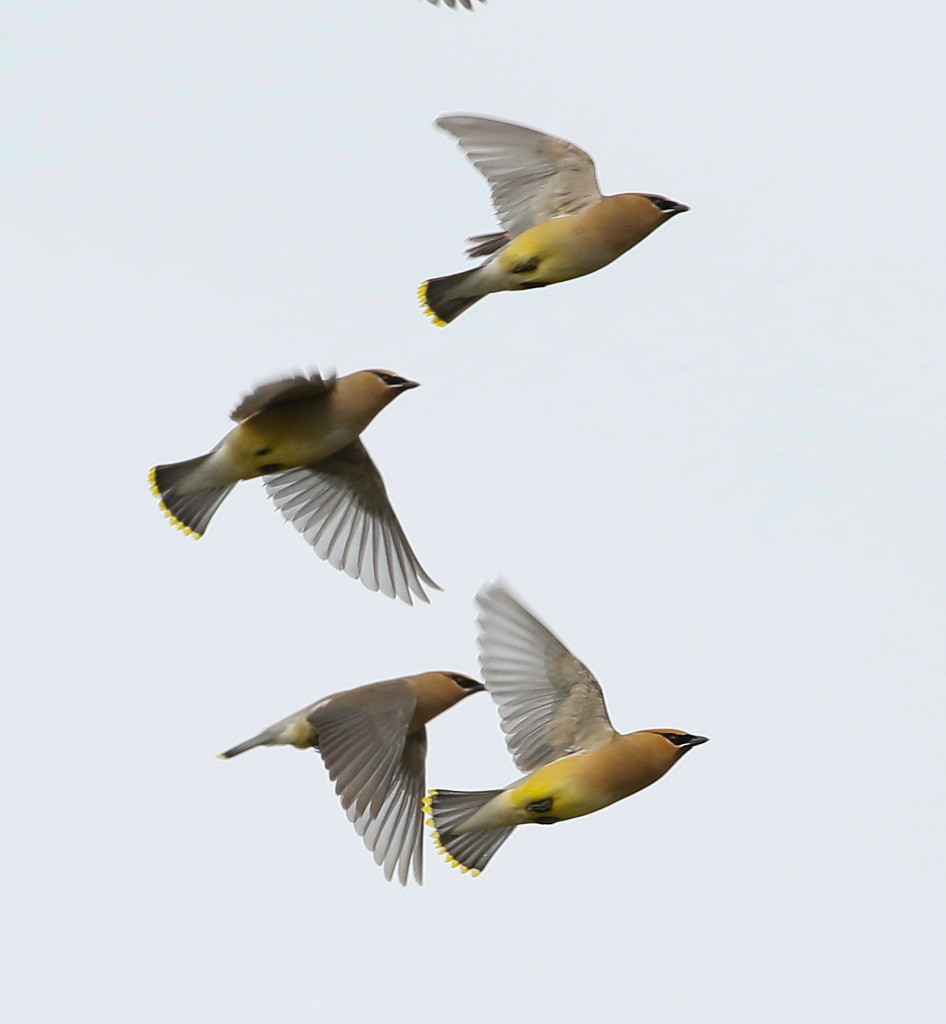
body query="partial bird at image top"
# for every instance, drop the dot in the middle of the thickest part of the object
(556, 224)
(468, 4)
(301, 434)
(557, 727)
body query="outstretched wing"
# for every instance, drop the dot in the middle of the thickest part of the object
(549, 703)
(533, 176)
(286, 390)
(378, 771)
(341, 507)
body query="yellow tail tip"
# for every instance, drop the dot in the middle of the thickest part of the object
(156, 491)
(438, 842)
(425, 305)
(186, 530)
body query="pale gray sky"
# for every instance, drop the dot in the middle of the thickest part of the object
(715, 469)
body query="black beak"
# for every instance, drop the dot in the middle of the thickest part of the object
(690, 742)
(674, 210)
(406, 385)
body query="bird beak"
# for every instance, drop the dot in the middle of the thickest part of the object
(407, 385)
(678, 208)
(693, 741)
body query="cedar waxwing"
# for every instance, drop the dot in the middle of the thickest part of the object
(301, 434)
(373, 742)
(557, 727)
(556, 224)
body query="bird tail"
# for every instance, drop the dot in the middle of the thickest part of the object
(189, 509)
(439, 298)
(261, 740)
(471, 851)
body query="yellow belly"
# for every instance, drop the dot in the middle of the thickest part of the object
(562, 782)
(285, 437)
(559, 250)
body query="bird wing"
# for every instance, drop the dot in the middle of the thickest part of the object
(341, 507)
(395, 833)
(286, 390)
(549, 703)
(378, 771)
(533, 176)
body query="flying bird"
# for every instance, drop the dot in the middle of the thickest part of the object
(373, 741)
(556, 224)
(557, 728)
(301, 434)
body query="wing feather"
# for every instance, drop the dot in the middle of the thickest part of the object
(533, 176)
(378, 770)
(340, 506)
(549, 703)
(287, 389)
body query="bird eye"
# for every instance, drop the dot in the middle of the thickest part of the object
(394, 381)
(465, 681)
(391, 379)
(684, 740)
(678, 739)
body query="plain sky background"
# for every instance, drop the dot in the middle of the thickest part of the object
(714, 468)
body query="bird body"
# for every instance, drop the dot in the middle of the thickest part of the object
(578, 243)
(286, 433)
(290, 434)
(557, 728)
(302, 434)
(579, 784)
(373, 741)
(556, 223)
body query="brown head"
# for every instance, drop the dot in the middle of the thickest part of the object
(651, 753)
(435, 692)
(369, 391)
(632, 216)
(669, 745)
(629, 763)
